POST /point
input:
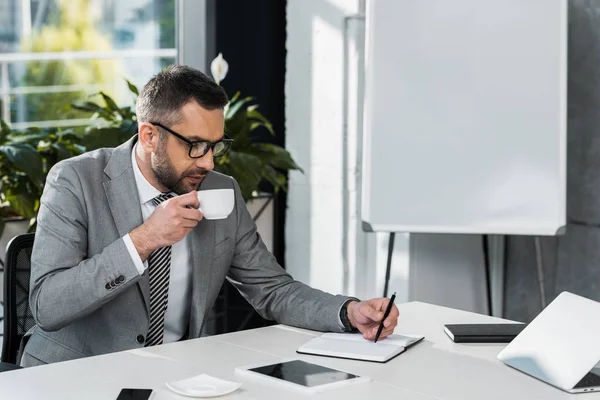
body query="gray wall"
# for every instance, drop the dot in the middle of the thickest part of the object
(571, 262)
(448, 270)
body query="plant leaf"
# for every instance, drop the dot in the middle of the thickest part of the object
(21, 193)
(278, 156)
(61, 151)
(277, 179)
(235, 97)
(102, 137)
(254, 125)
(250, 164)
(25, 159)
(90, 106)
(32, 223)
(132, 88)
(238, 128)
(4, 131)
(128, 127)
(234, 107)
(255, 114)
(22, 202)
(246, 169)
(110, 103)
(32, 138)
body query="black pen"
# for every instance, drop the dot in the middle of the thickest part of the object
(385, 315)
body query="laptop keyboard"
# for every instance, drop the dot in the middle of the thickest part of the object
(588, 381)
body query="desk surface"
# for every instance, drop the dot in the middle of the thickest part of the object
(436, 368)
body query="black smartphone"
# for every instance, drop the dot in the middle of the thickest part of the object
(483, 333)
(134, 394)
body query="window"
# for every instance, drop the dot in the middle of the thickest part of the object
(56, 52)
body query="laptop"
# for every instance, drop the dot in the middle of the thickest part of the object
(561, 346)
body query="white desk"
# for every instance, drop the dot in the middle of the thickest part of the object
(434, 369)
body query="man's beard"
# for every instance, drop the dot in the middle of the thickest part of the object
(165, 174)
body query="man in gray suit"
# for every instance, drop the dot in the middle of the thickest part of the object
(123, 257)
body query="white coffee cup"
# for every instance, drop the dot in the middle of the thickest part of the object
(216, 203)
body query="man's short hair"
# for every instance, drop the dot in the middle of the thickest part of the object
(166, 93)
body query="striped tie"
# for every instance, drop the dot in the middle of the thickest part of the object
(159, 269)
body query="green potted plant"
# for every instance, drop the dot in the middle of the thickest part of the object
(25, 159)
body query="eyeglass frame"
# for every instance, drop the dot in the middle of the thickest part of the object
(211, 145)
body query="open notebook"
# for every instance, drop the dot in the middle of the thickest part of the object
(354, 346)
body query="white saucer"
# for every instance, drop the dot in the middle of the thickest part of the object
(203, 386)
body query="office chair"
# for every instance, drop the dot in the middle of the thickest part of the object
(17, 314)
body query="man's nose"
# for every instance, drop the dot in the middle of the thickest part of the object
(206, 161)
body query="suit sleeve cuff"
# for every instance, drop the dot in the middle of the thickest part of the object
(343, 316)
(137, 260)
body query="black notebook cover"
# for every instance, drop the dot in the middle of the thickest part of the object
(483, 333)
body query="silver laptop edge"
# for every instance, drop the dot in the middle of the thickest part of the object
(560, 346)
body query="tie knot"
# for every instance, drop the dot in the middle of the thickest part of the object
(161, 197)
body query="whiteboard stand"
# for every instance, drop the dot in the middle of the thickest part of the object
(497, 266)
(486, 267)
(493, 264)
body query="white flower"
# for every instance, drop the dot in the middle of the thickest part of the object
(219, 68)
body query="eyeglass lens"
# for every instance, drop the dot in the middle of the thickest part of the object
(201, 148)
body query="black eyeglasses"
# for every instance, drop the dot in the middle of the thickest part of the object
(199, 149)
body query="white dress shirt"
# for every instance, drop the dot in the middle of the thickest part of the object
(177, 316)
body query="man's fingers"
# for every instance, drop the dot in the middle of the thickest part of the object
(189, 224)
(371, 313)
(188, 199)
(192, 213)
(374, 330)
(390, 322)
(370, 334)
(385, 333)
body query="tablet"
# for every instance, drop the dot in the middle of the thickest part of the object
(300, 376)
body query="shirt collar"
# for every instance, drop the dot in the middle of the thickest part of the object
(146, 191)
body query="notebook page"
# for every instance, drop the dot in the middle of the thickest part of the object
(393, 339)
(356, 350)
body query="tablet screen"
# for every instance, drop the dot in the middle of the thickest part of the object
(303, 373)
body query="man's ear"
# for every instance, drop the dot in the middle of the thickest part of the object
(148, 137)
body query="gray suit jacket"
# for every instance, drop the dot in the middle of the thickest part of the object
(87, 296)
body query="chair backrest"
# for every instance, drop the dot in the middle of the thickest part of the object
(17, 314)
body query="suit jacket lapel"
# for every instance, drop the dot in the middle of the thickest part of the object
(124, 201)
(202, 251)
